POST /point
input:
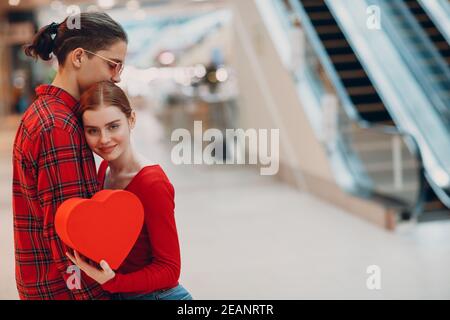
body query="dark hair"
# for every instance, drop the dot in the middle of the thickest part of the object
(105, 93)
(98, 31)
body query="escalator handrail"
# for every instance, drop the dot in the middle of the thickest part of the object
(350, 108)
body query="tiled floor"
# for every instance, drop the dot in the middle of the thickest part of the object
(246, 236)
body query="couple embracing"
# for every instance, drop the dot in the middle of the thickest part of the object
(81, 112)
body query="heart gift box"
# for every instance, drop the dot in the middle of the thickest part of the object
(104, 227)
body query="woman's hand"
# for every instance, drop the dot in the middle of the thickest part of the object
(100, 275)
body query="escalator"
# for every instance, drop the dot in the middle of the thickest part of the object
(354, 78)
(431, 70)
(430, 28)
(423, 47)
(359, 87)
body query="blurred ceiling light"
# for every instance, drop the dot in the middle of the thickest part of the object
(200, 71)
(106, 4)
(93, 8)
(19, 82)
(441, 177)
(56, 5)
(186, 82)
(190, 72)
(140, 14)
(133, 5)
(222, 75)
(166, 58)
(14, 2)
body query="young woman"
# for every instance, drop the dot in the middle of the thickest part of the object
(51, 161)
(152, 269)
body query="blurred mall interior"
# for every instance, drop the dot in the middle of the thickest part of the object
(360, 93)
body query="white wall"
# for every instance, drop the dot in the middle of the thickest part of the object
(268, 97)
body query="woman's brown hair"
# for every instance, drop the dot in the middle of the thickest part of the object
(98, 31)
(105, 93)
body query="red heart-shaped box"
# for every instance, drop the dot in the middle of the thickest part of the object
(104, 227)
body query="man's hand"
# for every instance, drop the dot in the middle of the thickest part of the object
(100, 275)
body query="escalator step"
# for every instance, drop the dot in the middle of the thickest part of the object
(441, 45)
(340, 50)
(365, 98)
(421, 17)
(340, 43)
(359, 91)
(371, 107)
(352, 74)
(320, 16)
(347, 66)
(432, 31)
(427, 24)
(436, 37)
(412, 4)
(328, 29)
(356, 82)
(338, 58)
(330, 36)
(312, 3)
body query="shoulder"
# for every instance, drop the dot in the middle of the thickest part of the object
(153, 188)
(153, 173)
(48, 113)
(152, 178)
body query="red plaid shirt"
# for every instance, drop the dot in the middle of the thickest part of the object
(51, 163)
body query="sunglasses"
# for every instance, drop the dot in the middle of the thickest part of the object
(118, 66)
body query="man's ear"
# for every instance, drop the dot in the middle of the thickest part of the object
(76, 57)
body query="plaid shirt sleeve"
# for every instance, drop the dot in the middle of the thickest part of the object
(60, 177)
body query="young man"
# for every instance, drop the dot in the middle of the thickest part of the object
(51, 161)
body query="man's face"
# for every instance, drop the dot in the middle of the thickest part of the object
(97, 68)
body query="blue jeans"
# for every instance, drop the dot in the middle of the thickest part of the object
(175, 293)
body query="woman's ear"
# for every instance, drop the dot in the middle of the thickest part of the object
(132, 119)
(76, 57)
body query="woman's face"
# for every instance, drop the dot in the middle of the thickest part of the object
(94, 69)
(107, 131)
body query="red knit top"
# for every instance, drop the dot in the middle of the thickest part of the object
(154, 261)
